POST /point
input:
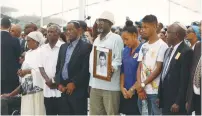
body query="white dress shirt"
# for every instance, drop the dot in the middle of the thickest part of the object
(173, 52)
(194, 45)
(115, 43)
(102, 70)
(48, 60)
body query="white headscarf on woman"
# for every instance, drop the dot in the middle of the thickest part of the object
(37, 36)
(32, 59)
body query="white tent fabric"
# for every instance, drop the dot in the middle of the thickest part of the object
(184, 11)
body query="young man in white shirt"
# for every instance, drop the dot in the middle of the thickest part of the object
(48, 60)
(150, 65)
(104, 95)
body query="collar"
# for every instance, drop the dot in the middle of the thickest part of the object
(74, 43)
(105, 36)
(195, 45)
(176, 46)
(5, 31)
(58, 44)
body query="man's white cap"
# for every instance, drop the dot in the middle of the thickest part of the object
(181, 25)
(108, 16)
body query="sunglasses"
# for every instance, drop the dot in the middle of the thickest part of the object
(100, 22)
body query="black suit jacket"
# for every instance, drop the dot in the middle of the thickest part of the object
(172, 90)
(23, 47)
(10, 53)
(196, 57)
(78, 67)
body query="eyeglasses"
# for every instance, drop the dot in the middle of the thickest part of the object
(100, 22)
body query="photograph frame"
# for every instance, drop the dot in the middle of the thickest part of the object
(109, 64)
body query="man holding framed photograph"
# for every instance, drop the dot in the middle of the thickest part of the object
(105, 93)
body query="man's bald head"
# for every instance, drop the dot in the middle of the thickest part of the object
(16, 31)
(30, 28)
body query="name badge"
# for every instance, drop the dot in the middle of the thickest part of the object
(177, 56)
(136, 55)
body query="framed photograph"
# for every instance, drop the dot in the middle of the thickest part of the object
(102, 63)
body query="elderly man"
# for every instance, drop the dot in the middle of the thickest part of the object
(176, 72)
(104, 95)
(48, 60)
(15, 31)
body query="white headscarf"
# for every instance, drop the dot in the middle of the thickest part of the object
(37, 36)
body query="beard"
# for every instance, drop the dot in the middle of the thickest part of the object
(100, 30)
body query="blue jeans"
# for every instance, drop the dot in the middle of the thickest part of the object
(153, 108)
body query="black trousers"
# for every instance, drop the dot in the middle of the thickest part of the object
(74, 106)
(53, 106)
(197, 104)
(129, 106)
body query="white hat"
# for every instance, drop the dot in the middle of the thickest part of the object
(37, 36)
(108, 16)
(181, 25)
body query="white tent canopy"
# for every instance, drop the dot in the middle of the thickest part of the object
(184, 11)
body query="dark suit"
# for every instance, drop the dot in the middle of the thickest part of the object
(191, 96)
(10, 53)
(172, 89)
(24, 46)
(78, 72)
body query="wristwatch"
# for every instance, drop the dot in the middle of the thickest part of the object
(131, 89)
(142, 85)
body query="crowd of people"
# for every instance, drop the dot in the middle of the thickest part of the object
(154, 69)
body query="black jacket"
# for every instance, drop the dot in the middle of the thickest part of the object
(172, 90)
(78, 67)
(190, 91)
(10, 53)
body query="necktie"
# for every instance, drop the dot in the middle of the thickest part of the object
(166, 63)
(197, 75)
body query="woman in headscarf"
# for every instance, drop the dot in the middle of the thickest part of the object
(193, 35)
(32, 100)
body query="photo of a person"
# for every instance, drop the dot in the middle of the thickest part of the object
(102, 64)
(27, 85)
